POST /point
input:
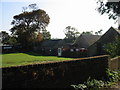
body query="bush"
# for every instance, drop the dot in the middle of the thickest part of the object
(113, 76)
(113, 48)
(93, 84)
(90, 85)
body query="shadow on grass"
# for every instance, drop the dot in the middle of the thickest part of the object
(33, 53)
(39, 54)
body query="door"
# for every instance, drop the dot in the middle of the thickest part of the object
(59, 51)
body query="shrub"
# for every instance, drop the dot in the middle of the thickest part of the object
(93, 84)
(113, 76)
(90, 85)
(113, 48)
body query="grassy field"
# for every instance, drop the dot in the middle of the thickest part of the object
(15, 59)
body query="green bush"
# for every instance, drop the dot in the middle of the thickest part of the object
(113, 76)
(90, 85)
(93, 84)
(113, 48)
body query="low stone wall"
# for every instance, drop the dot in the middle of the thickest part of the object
(114, 63)
(55, 74)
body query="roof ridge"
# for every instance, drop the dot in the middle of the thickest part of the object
(116, 29)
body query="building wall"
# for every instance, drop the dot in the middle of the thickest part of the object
(92, 50)
(108, 37)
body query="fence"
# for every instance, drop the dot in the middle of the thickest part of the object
(59, 74)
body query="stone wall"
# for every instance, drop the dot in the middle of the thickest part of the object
(59, 74)
(114, 63)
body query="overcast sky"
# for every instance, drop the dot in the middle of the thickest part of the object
(80, 14)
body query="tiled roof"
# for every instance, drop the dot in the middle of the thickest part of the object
(49, 43)
(86, 40)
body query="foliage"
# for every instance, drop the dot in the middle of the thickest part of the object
(113, 76)
(28, 24)
(90, 84)
(88, 32)
(110, 8)
(79, 86)
(39, 37)
(12, 40)
(93, 84)
(99, 32)
(7, 39)
(46, 34)
(4, 37)
(71, 33)
(113, 48)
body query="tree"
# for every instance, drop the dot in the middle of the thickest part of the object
(46, 34)
(12, 40)
(113, 48)
(4, 37)
(71, 33)
(111, 8)
(88, 32)
(7, 39)
(39, 37)
(99, 32)
(27, 25)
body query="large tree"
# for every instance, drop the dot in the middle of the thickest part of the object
(71, 33)
(7, 39)
(4, 37)
(111, 7)
(28, 24)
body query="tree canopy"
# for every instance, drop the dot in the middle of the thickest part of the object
(99, 32)
(7, 39)
(28, 24)
(111, 8)
(4, 37)
(46, 34)
(71, 33)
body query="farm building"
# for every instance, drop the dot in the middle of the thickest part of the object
(84, 45)
(50, 47)
(97, 48)
(47, 47)
(79, 47)
(85, 40)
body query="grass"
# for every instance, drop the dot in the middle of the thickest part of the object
(15, 59)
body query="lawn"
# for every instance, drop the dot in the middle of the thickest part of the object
(15, 59)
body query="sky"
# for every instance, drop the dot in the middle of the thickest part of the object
(81, 14)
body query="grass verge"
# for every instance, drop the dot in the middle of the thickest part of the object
(14, 59)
